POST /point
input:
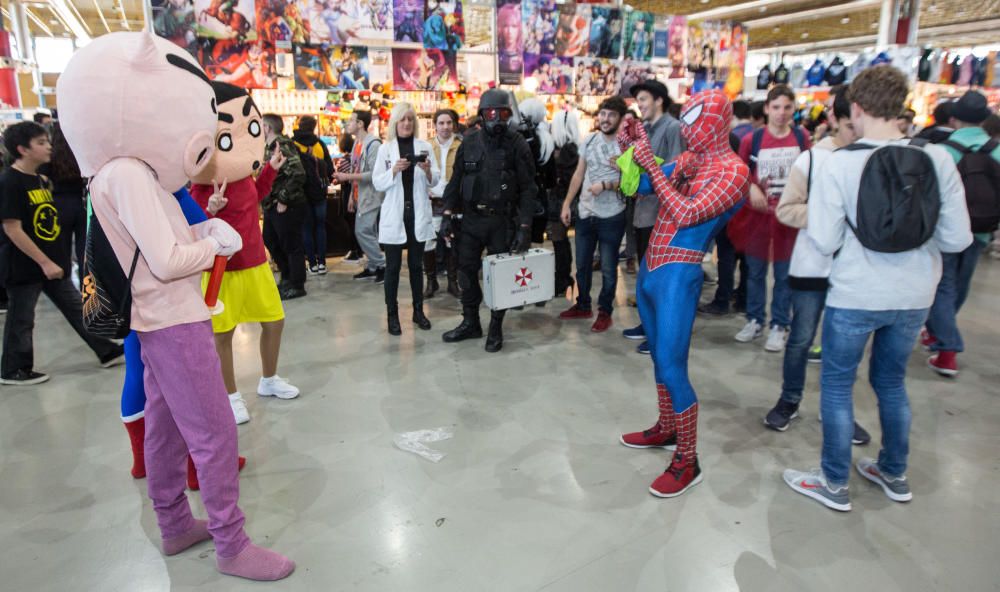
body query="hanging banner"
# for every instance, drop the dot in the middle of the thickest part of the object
(633, 73)
(510, 43)
(639, 36)
(661, 37)
(540, 19)
(479, 27)
(424, 69)
(444, 27)
(605, 32)
(678, 46)
(331, 68)
(408, 21)
(553, 73)
(174, 20)
(235, 20)
(248, 65)
(573, 31)
(597, 76)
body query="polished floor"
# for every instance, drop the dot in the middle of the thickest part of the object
(534, 493)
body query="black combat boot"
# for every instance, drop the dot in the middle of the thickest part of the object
(494, 340)
(394, 327)
(420, 319)
(430, 269)
(453, 275)
(468, 329)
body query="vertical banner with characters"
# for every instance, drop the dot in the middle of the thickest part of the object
(553, 73)
(326, 68)
(424, 69)
(597, 76)
(248, 65)
(479, 27)
(444, 27)
(174, 20)
(408, 21)
(639, 36)
(661, 37)
(510, 42)
(540, 19)
(634, 73)
(605, 32)
(678, 46)
(573, 30)
(736, 56)
(235, 19)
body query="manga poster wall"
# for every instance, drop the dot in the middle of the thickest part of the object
(281, 22)
(424, 69)
(677, 44)
(639, 36)
(226, 19)
(510, 42)
(573, 30)
(175, 20)
(605, 32)
(331, 68)
(555, 74)
(444, 27)
(540, 19)
(408, 21)
(661, 37)
(633, 73)
(478, 27)
(597, 76)
(249, 65)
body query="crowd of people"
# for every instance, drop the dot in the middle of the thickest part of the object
(813, 200)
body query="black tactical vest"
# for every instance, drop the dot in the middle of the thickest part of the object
(489, 177)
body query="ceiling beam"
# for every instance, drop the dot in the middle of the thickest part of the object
(923, 35)
(782, 19)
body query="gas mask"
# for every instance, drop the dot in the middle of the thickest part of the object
(496, 120)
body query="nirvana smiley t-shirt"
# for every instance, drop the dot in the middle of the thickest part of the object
(28, 198)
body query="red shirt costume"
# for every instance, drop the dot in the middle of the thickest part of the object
(242, 213)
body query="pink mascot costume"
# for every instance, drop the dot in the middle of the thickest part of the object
(140, 115)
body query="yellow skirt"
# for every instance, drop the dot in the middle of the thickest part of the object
(248, 296)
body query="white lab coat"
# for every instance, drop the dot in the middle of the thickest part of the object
(390, 227)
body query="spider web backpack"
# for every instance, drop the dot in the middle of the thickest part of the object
(106, 290)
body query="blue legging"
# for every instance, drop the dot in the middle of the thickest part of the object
(133, 391)
(668, 299)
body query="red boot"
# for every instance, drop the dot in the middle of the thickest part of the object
(136, 435)
(944, 363)
(193, 474)
(926, 339)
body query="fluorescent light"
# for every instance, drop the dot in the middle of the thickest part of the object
(727, 10)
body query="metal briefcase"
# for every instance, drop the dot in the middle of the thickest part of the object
(515, 280)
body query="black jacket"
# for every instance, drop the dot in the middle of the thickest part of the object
(309, 140)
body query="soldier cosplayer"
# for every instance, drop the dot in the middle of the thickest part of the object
(494, 176)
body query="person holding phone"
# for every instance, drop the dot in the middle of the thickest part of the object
(405, 169)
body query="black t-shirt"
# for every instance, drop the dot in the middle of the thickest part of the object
(406, 151)
(28, 198)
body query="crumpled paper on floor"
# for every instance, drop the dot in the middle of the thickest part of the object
(413, 442)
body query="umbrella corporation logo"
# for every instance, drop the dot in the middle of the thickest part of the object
(523, 277)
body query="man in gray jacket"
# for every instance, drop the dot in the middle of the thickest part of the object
(367, 201)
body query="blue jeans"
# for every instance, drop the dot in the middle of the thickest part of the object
(845, 335)
(314, 233)
(590, 233)
(956, 276)
(781, 306)
(807, 308)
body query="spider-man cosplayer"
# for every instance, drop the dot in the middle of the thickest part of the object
(706, 188)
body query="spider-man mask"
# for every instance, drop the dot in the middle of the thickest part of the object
(705, 122)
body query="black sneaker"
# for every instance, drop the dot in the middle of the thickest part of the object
(815, 355)
(321, 269)
(114, 358)
(314, 269)
(366, 274)
(782, 415)
(24, 378)
(861, 436)
(714, 308)
(293, 293)
(380, 275)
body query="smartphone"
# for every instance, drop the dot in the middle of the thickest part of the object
(422, 157)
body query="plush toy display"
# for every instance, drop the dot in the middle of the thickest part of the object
(706, 187)
(140, 116)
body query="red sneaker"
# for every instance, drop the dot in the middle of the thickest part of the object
(678, 478)
(603, 322)
(926, 339)
(654, 437)
(944, 363)
(574, 312)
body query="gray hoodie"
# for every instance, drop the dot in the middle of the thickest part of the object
(368, 198)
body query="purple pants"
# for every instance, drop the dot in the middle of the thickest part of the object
(187, 410)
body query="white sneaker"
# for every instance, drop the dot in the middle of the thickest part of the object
(752, 330)
(239, 408)
(276, 386)
(777, 337)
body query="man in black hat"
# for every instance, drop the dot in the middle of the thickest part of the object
(665, 136)
(978, 159)
(494, 177)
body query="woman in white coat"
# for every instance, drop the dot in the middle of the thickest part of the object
(405, 169)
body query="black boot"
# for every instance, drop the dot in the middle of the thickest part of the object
(494, 340)
(394, 327)
(419, 319)
(453, 288)
(430, 268)
(468, 329)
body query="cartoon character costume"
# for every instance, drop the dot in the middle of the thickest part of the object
(248, 292)
(707, 186)
(140, 116)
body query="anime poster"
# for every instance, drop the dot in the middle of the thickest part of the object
(510, 43)
(634, 73)
(695, 37)
(540, 19)
(479, 27)
(661, 37)
(597, 76)
(573, 30)
(553, 73)
(710, 40)
(424, 69)
(226, 19)
(476, 70)
(248, 65)
(444, 27)
(639, 36)
(605, 32)
(174, 20)
(331, 68)
(408, 21)
(677, 44)
(736, 56)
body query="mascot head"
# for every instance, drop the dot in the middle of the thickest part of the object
(705, 122)
(136, 95)
(239, 138)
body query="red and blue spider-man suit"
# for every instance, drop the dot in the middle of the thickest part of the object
(707, 186)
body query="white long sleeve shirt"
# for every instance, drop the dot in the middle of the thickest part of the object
(867, 280)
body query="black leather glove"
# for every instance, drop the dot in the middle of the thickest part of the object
(447, 232)
(522, 241)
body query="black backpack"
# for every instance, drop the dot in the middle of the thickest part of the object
(106, 290)
(981, 178)
(315, 174)
(898, 199)
(758, 139)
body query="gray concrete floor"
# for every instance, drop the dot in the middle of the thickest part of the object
(535, 492)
